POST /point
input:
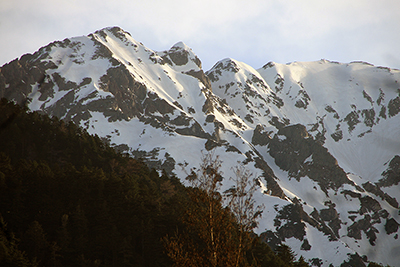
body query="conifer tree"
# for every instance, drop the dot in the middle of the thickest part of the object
(35, 242)
(286, 254)
(64, 237)
(10, 254)
(79, 230)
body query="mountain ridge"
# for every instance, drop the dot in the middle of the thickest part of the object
(301, 127)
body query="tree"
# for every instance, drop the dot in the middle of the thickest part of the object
(79, 230)
(301, 262)
(64, 237)
(216, 235)
(209, 179)
(10, 254)
(286, 254)
(35, 243)
(240, 198)
(204, 239)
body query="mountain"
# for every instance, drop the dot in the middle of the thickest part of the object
(323, 137)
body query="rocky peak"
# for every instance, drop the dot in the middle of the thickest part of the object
(225, 65)
(180, 54)
(115, 30)
(277, 121)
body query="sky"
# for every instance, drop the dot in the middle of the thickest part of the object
(252, 31)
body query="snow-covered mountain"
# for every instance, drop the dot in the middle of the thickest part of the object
(322, 136)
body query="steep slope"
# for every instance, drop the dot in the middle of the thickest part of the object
(332, 127)
(322, 136)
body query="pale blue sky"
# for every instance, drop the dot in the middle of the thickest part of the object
(252, 31)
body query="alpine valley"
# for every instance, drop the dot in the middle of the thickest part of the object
(322, 137)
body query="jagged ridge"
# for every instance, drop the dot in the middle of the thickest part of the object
(321, 135)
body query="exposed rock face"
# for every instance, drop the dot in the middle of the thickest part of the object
(394, 106)
(294, 227)
(306, 245)
(180, 55)
(273, 187)
(260, 137)
(298, 153)
(23, 74)
(129, 95)
(391, 226)
(375, 189)
(392, 174)
(331, 216)
(364, 225)
(320, 137)
(201, 77)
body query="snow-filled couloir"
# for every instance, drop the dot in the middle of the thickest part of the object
(322, 136)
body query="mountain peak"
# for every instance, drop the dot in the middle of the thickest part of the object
(182, 55)
(114, 30)
(180, 46)
(320, 136)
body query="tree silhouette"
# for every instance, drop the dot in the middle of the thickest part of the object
(216, 235)
(240, 198)
(10, 254)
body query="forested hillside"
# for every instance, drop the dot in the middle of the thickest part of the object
(321, 139)
(68, 199)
